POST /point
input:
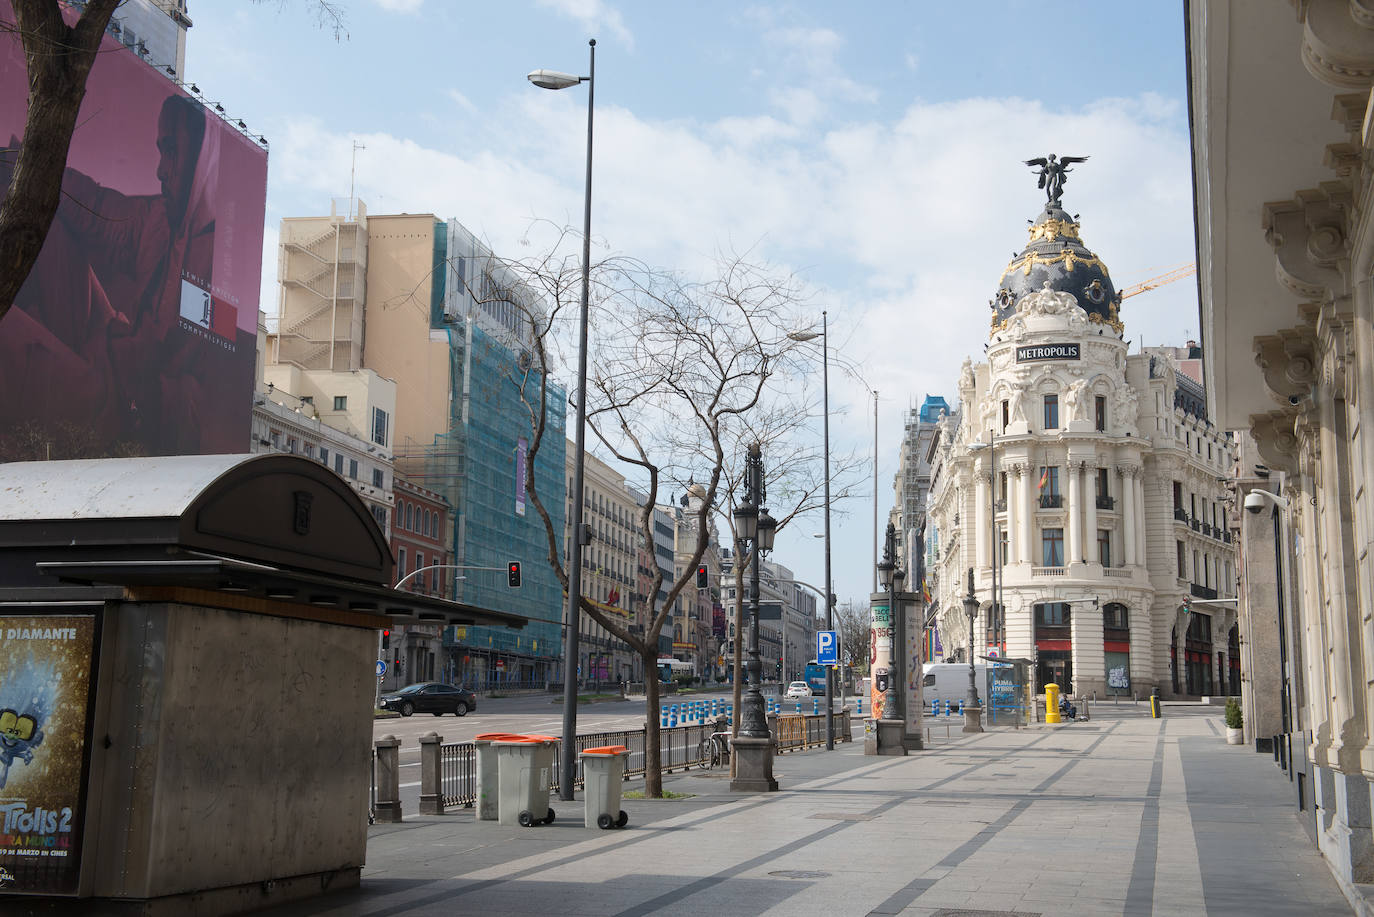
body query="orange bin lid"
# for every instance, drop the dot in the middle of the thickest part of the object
(496, 736)
(539, 738)
(606, 750)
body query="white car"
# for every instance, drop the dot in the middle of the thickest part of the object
(798, 690)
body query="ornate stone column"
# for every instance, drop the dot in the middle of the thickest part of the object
(1142, 545)
(1013, 497)
(1128, 526)
(981, 509)
(1029, 504)
(1090, 512)
(1074, 511)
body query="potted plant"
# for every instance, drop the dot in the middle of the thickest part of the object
(1234, 734)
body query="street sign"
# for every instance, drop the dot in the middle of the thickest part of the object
(381, 668)
(827, 647)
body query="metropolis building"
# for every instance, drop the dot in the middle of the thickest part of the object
(1090, 481)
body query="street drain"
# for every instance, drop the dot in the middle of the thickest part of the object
(960, 912)
(843, 816)
(799, 874)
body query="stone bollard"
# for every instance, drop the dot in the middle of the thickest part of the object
(431, 775)
(388, 779)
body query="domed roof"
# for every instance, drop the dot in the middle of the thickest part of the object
(1056, 254)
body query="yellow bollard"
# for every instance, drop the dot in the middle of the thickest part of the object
(1154, 706)
(1052, 703)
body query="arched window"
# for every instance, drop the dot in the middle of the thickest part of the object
(426, 524)
(410, 518)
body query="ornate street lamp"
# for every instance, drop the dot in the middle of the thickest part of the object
(754, 744)
(973, 712)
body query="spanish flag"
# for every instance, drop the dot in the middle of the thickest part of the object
(1044, 477)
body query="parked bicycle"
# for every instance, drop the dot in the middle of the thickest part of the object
(714, 750)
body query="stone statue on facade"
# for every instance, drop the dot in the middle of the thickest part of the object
(1053, 173)
(1127, 405)
(1016, 408)
(1076, 399)
(966, 381)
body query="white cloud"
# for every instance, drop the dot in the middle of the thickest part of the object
(463, 101)
(594, 16)
(400, 6)
(901, 227)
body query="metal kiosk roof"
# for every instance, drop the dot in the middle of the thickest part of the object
(273, 534)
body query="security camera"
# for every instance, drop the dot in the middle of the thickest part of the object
(1254, 502)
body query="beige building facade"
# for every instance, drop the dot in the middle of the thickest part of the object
(1283, 140)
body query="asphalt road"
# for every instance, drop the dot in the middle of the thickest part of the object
(540, 714)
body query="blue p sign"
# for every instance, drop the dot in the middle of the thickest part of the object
(827, 647)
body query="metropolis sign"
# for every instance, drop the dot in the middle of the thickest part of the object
(1046, 352)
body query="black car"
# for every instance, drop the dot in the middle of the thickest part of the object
(430, 697)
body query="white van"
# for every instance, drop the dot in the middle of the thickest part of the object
(948, 681)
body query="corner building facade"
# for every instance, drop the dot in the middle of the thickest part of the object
(1089, 481)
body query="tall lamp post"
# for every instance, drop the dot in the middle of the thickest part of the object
(973, 711)
(552, 79)
(829, 586)
(754, 744)
(997, 621)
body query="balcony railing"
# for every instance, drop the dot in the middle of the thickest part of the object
(1047, 571)
(1051, 501)
(1201, 592)
(1106, 503)
(1180, 514)
(1001, 506)
(1117, 572)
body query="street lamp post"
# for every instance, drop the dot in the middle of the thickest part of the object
(997, 620)
(754, 744)
(973, 711)
(552, 79)
(829, 586)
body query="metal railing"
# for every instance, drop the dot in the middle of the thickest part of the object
(679, 749)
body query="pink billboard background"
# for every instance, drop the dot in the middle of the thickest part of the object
(136, 332)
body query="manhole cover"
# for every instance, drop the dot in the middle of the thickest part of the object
(799, 874)
(843, 816)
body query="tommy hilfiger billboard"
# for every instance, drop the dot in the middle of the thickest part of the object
(1035, 352)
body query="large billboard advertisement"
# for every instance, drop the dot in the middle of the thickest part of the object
(135, 333)
(46, 677)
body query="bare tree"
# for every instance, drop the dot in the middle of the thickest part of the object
(852, 621)
(675, 366)
(57, 59)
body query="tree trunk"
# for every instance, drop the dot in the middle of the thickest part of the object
(653, 757)
(58, 59)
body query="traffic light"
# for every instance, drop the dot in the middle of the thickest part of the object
(513, 572)
(386, 639)
(701, 577)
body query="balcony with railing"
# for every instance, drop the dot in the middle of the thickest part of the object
(1106, 502)
(1051, 501)
(1180, 514)
(1047, 571)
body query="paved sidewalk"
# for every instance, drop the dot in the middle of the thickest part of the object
(1120, 815)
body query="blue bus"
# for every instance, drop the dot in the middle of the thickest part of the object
(815, 678)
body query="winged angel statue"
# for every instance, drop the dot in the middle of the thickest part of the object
(1053, 172)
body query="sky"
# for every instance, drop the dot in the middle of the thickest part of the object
(874, 151)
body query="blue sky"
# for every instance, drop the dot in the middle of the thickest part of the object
(873, 149)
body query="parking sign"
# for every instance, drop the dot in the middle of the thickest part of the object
(827, 647)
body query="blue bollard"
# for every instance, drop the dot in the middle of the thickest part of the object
(859, 706)
(935, 708)
(815, 706)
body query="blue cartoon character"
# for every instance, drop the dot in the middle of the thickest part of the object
(19, 736)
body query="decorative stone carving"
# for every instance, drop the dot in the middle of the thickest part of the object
(1308, 237)
(1338, 41)
(1075, 399)
(966, 381)
(1126, 405)
(1275, 441)
(1288, 363)
(1016, 408)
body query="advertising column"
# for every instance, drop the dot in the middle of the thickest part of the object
(47, 663)
(879, 653)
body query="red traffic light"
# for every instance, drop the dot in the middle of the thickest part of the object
(513, 573)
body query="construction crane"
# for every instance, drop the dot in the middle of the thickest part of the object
(1169, 276)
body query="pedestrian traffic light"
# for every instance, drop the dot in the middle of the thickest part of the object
(386, 639)
(701, 576)
(513, 572)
